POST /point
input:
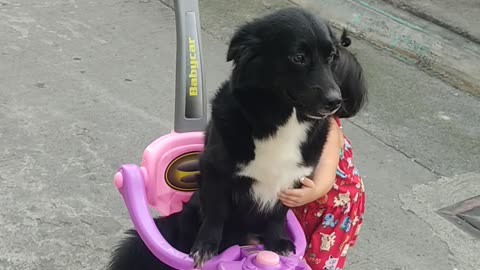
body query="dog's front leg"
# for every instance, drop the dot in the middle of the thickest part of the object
(275, 237)
(214, 205)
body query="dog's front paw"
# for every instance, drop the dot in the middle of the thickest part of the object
(281, 246)
(203, 251)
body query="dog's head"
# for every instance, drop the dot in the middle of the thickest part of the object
(292, 55)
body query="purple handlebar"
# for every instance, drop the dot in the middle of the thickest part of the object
(129, 181)
(134, 195)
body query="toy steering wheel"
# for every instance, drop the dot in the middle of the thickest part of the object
(165, 179)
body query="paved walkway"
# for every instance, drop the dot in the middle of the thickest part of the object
(461, 16)
(87, 85)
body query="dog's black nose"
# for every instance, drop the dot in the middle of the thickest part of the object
(333, 104)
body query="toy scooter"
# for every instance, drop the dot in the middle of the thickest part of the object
(165, 179)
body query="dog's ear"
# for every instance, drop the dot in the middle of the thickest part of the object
(349, 76)
(241, 45)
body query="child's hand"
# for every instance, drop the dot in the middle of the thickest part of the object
(296, 197)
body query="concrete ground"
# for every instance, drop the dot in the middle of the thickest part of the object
(87, 85)
(461, 16)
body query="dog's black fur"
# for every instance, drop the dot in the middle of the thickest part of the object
(288, 61)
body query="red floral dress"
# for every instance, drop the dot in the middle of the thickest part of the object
(332, 222)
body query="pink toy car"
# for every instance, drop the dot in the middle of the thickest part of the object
(162, 181)
(130, 181)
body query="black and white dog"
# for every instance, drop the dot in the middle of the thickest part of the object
(268, 127)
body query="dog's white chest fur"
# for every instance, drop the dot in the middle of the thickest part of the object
(277, 162)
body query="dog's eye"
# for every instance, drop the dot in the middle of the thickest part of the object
(298, 59)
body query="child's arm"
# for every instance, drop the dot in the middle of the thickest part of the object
(326, 170)
(323, 176)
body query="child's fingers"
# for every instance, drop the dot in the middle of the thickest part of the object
(293, 192)
(288, 199)
(307, 182)
(290, 203)
(284, 197)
